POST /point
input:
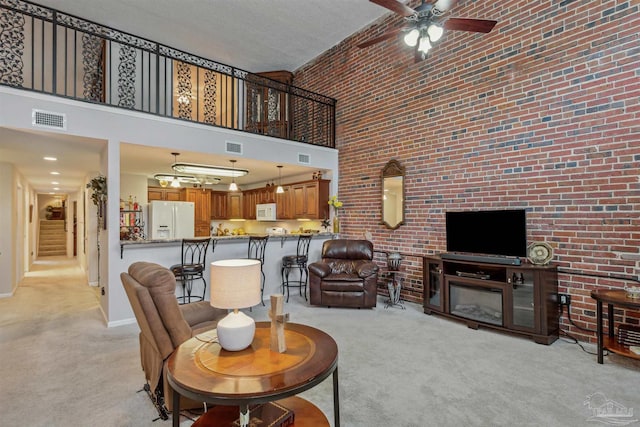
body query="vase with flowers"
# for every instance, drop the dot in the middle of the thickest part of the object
(333, 201)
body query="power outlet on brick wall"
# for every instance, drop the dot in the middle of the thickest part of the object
(564, 299)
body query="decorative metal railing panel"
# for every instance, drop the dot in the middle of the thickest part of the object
(49, 51)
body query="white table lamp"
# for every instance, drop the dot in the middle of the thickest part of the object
(235, 284)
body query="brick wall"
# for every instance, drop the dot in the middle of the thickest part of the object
(541, 113)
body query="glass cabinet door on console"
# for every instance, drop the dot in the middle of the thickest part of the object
(433, 285)
(523, 305)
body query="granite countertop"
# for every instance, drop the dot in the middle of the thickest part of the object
(244, 236)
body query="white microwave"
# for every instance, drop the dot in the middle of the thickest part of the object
(266, 212)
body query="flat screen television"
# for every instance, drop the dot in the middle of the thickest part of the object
(492, 232)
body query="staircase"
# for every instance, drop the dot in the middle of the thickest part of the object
(53, 238)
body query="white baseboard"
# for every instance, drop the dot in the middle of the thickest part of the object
(7, 295)
(122, 322)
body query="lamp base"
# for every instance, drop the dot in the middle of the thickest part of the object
(236, 331)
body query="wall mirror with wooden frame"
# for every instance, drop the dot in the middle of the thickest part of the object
(393, 194)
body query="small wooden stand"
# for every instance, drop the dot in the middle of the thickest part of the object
(278, 320)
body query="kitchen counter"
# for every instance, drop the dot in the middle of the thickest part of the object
(173, 242)
(168, 253)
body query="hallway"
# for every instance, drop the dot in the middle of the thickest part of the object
(58, 353)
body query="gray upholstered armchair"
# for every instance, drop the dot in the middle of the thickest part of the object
(346, 276)
(164, 324)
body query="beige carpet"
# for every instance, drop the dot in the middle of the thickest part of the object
(62, 367)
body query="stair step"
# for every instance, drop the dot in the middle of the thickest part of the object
(53, 238)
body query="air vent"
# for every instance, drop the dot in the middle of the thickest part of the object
(304, 158)
(47, 119)
(233, 147)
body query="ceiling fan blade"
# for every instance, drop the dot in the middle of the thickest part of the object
(474, 25)
(385, 36)
(394, 6)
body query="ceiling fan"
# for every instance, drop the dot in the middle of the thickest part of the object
(426, 24)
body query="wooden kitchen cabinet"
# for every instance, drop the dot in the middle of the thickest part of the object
(249, 201)
(283, 203)
(309, 199)
(219, 205)
(166, 194)
(202, 200)
(234, 205)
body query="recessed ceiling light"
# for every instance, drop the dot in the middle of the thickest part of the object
(54, 183)
(55, 173)
(50, 158)
(56, 188)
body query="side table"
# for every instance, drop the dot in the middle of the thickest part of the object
(394, 287)
(201, 370)
(612, 297)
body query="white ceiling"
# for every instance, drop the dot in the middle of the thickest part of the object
(254, 35)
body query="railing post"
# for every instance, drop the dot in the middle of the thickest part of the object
(233, 100)
(158, 79)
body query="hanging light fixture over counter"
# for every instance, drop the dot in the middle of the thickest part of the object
(197, 169)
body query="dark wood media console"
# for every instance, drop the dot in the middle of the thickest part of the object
(519, 299)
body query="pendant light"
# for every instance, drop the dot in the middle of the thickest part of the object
(233, 186)
(175, 183)
(279, 190)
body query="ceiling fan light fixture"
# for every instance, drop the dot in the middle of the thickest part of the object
(425, 45)
(435, 32)
(411, 38)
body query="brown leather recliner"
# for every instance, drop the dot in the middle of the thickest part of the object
(164, 324)
(346, 276)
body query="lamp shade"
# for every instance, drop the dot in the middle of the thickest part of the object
(235, 283)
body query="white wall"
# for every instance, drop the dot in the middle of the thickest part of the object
(7, 254)
(122, 126)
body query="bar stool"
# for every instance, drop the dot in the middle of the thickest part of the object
(257, 246)
(299, 261)
(194, 254)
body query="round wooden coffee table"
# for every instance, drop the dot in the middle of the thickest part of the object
(201, 370)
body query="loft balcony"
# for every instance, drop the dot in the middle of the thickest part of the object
(52, 52)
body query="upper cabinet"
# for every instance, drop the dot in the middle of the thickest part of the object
(219, 205)
(202, 204)
(234, 205)
(309, 199)
(284, 203)
(160, 193)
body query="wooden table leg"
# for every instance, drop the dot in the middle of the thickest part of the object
(336, 399)
(176, 409)
(599, 329)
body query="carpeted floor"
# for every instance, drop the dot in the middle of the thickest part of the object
(62, 367)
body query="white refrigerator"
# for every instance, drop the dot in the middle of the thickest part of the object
(171, 220)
